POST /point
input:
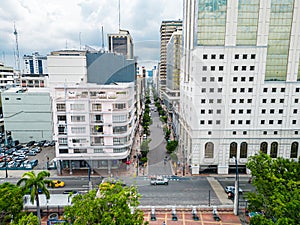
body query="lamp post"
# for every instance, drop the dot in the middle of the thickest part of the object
(6, 174)
(236, 189)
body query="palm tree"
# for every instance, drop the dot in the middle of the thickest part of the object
(34, 184)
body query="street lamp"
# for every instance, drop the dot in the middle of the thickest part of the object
(6, 174)
(236, 189)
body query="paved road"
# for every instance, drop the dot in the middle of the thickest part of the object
(157, 153)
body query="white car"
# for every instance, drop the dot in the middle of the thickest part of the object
(232, 189)
(158, 180)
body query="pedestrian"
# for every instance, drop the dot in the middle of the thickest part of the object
(164, 223)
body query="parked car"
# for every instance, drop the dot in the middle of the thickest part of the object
(30, 143)
(34, 162)
(31, 153)
(57, 184)
(157, 180)
(52, 143)
(41, 143)
(232, 189)
(36, 149)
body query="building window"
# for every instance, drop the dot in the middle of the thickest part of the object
(212, 68)
(235, 68)
(235, 79)
(243, 79)
(211, 90)
(249, 100)
(96, 107)
(205, 56)
(273, 100)
(275, 132)
(98, 129)
(218, 111)
(209, 132)
(265, 90)
(209, 150)
(294, 150)
(272, 111)
(242, 90)
(219, 90)
(264, 147)
(282, 90)
(77, 118)
(244, 68)
(271, 121)
(262, 122)
(242, 100)
(78, 130)
(248, 111)
(294, 121)
(220, 79)
(211, 100)
(219, 100)
(221, 56)
(248, 122)
(244, 56)
(241, 111)
(203, 90)
(281, 100)
(243, 150)
(236, 56)
(297, 89)
(251, 79)
(202, 101)
(213, 56)
(119, 106)
(203, 79)
(244, 132)
(119, 129)
(265, 132)
(204, 68)
(202, 111)
(201, 122)
(60, 107)
(296, 100)
(77, 107)
(295, 111)
(119, 118)
(221, 68)
(274, 150)
(232, 121)
(233, 132)
(234, 90)
(280, 111)
(233, 111)
(233, 150)
(250, 90)
(209, 121)
(210, 111)
(233, 100)
(252, 68)
(218, 122)
(212, 79)
(252, 56)
(279, 121)
(263, 111)
(264, 100)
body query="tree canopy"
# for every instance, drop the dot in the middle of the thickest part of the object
(277, 195)
(11, 202)
(113, 203)
(33, 183)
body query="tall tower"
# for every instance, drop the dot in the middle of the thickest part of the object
(17, 54)
(240, 88)
(166, 30)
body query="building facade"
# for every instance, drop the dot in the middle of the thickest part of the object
(7, 76)
(94, 125)
(35, 64)
(28, 114)
(166, 30)
(121, 43)
(240, 82)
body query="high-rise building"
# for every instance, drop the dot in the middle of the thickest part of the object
(240, 89)
(166, 30)
(121, 43)
(35, 64)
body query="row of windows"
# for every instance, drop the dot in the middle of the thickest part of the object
(240, 122)
(243, 79)
(212, 79)
(243, 68)
(211, 90)
(243, 150)
(95, 106)
(247, 111)
(242, 90)
(221, 68)
(245, 132)
(236, 56)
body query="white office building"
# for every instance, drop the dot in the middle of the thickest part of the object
(240, 88)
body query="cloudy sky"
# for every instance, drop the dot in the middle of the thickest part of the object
(45, 26)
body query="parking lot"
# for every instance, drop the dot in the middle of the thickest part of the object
(27, 156)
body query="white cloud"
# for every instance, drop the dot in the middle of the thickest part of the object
(45, 26)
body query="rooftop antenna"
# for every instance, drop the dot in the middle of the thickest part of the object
(17, 49)
(66, 44)
(102, 39)
(119, 15)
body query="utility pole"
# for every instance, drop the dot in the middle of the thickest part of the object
(236, 190)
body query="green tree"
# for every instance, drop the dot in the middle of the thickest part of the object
(11, 202)
(145, 148)
(112, 204)
(29, 219)
(33, 183)
(171, 146)
(277, 195)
